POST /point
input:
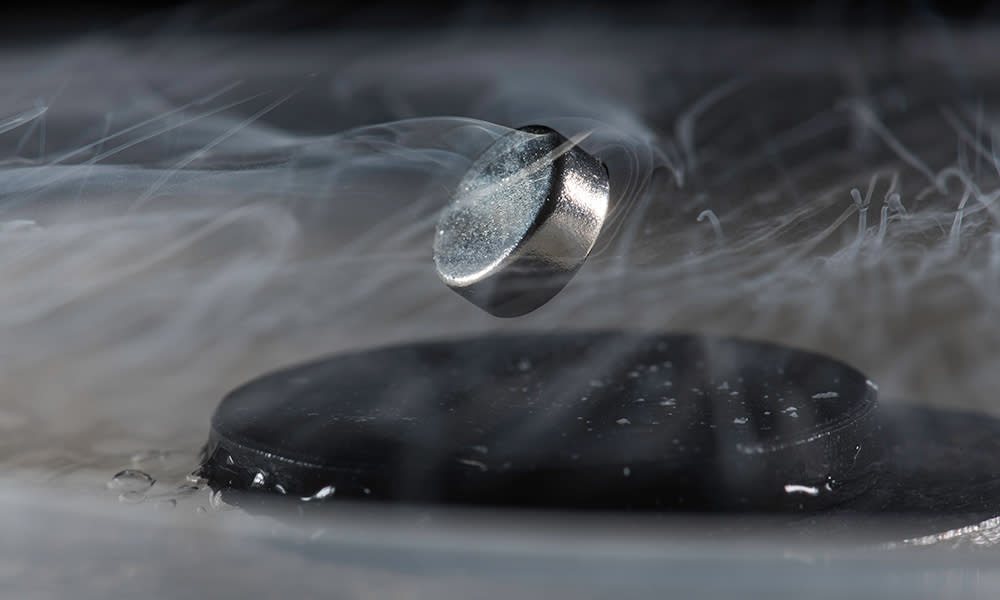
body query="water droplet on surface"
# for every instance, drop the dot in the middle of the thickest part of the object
(324, 492)
(740, 420)
(624, 421)
(131, 480)
(627, 472)
(794, 488)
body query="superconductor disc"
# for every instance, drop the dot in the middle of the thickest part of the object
(604, 420)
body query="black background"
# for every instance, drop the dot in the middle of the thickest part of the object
(39, 22)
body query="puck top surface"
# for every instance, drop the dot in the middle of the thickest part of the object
(581, 419)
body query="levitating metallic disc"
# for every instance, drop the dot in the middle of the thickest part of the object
(522, 221)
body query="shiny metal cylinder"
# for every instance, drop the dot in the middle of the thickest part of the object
(522, 221)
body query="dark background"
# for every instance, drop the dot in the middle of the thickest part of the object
(34, 22)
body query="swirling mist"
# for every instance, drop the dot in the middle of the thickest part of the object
(178, 218)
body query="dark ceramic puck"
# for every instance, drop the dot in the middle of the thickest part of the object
(577, 421)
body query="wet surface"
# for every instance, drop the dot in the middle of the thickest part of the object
(605, 421)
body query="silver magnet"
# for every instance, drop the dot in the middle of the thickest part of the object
(522, 221)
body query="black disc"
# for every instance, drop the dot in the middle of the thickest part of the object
(573, 420)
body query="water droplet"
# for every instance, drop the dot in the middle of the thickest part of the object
(324, 492)
(624, 421)
(794, 488)
(524, 365)
(131, 480)
(367, 491)
(668, 402)
(627, 472)
(740, 420)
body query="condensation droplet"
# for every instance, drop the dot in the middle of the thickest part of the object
(130, 480)
(324, 492)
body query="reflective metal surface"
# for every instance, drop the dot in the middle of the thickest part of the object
(522, 221)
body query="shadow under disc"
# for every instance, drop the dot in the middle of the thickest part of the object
(606, 421)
